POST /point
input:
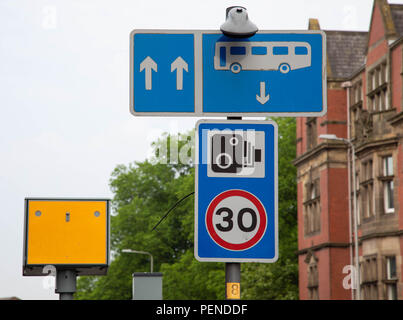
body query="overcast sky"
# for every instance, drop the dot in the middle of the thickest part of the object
(64, 96)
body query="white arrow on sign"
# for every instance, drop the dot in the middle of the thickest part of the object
(263, 98)
(148, 65)
(179, 65)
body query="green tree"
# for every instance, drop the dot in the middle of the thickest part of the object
(144, 191)
(280, 280)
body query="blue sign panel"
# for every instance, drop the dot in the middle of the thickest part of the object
(271, 73)
(204, 73)
(163, 67)
(236, 191)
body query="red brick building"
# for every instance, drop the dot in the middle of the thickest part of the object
(365, 106)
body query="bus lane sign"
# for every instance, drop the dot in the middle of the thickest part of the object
(205, 73)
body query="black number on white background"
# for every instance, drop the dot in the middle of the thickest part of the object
(229, 222)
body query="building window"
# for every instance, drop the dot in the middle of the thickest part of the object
(355, 105)
(369, 279)
(367, 188)
(378, 96)
(391, 278)
(367, 170)
(358, 198)
(355, 117)
(384, 99)
(388, 185)
(313, 277)
(311, 133)
(388, 166)
(312, 207)
(356, 93)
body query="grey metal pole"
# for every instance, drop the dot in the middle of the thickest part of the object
(357, 262)
(232, 281)
(233, 270)
(66, 284)
(142, 252)
(152, 263)
(357, 257)
(347, 85)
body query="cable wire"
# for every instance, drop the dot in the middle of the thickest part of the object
(173, 207)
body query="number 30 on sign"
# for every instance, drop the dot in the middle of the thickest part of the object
(233, 228)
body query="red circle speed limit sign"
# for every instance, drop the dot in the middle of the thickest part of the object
(236, 220)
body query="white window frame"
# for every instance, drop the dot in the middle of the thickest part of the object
(388, 268)
(386, 194)
(387, 164)
(391, 288)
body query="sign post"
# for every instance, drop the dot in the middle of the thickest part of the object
(233, 269)
(66, 284)
(236, 195)
(233, 281)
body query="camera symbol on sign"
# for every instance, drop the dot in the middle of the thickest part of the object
(235, 153)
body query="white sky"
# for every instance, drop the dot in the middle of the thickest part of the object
(64, 96)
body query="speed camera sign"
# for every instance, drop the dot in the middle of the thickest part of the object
(236, 191)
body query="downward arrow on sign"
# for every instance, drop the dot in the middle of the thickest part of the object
(179, 65)
(263, 98)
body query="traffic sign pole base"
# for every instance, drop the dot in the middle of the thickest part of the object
(66, 284)
(233, 281)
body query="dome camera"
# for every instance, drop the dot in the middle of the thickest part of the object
(237, 23)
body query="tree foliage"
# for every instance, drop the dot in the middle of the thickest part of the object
(280, 280)
(145, 191)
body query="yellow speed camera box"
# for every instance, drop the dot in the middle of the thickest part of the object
(66, 233)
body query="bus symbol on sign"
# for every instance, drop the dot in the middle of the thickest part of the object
(262, 55)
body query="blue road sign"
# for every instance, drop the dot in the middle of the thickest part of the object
(204, 73)
(164, 73)
(236, 191)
